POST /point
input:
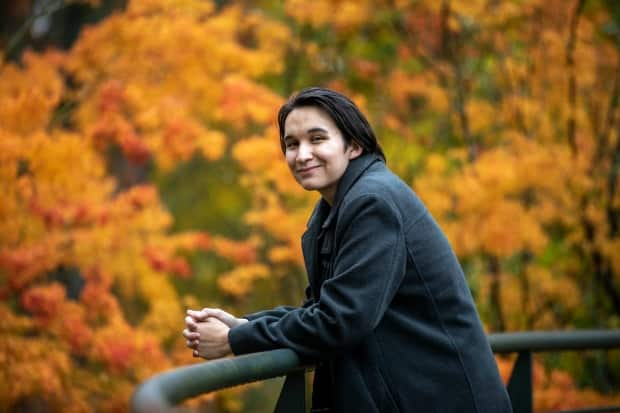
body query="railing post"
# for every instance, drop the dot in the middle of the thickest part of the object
(520, 384)
(293, 395)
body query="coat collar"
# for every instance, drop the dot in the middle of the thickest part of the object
(355, 169)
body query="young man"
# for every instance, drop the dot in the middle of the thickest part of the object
(389, 320)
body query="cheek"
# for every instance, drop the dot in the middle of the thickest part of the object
(290, 159)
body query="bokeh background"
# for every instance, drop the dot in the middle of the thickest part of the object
(141, 174)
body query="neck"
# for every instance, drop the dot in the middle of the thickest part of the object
(329, 196)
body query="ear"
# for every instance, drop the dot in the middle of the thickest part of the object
(355, 150)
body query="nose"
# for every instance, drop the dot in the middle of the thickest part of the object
(304, 152)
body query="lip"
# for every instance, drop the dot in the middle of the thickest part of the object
(307, 169)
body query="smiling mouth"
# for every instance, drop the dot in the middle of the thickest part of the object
(308, 169)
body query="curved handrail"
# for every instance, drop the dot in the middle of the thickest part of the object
(163, 391)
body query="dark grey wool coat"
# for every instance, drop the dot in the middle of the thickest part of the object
(389, 319)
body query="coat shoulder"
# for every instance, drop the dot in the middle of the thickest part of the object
(377, 181)
(389, 190)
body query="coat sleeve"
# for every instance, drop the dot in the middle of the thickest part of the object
(369, 266)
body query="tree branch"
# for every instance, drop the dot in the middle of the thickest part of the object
(48, 8)
(613, 214)
(610, 118)
(572, 77)
(496, 300)
(449, 46)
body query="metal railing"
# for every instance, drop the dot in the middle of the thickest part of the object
(164, 391)
(519, 385)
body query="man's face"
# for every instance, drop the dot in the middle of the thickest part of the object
(315, 150)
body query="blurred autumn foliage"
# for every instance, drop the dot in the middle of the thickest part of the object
(141, 174)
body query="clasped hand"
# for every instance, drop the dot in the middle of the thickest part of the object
(206, 332)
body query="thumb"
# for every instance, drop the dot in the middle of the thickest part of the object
(198, 315)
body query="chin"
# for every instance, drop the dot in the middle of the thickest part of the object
(310, 187)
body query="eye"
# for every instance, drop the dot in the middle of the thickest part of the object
(317, 138)
(290, 144)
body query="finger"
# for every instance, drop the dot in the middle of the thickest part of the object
(191, 335)
(195, 353)
(190, 323)
(192, 344)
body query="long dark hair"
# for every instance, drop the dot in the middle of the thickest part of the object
(346, 115)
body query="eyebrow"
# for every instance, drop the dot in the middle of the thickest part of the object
(311, 130)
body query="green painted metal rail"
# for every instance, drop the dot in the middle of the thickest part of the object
(164, 391)
(519, 386)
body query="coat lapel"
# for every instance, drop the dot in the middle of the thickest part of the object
(322, 217)
(309, 245)
(310, 251)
